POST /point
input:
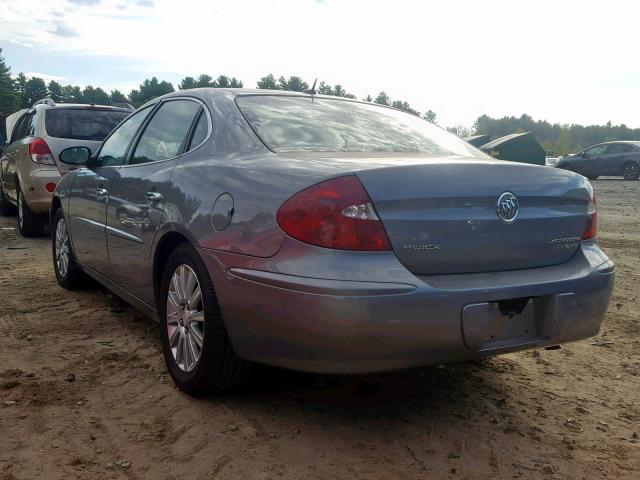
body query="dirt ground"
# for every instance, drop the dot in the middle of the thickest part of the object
(84, 394)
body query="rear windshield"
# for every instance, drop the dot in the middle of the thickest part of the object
(82, 123)
(321, 124)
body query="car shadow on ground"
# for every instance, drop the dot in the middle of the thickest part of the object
(459, 390)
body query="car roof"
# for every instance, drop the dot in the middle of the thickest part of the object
(231, 93)
(80, 105)
(632, 142)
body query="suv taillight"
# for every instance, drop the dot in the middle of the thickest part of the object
(336, 213)
(591, 229)
(39, 152)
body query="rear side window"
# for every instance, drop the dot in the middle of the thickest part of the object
(200, 132)
(81, 123)
(165, 132)
(619, 148)
(23, 128)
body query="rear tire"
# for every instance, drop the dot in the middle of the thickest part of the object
(7, 209)
(67, 271)
(194, 321)
(630, 171)
(30, 224)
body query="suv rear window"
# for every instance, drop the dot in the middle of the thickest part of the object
(82, 123)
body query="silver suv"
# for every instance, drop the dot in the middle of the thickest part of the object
(30, 166)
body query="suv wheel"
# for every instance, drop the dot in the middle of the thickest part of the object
(30, 224)
(195, 344)
(67, 271)
(630, 171)
(6, 208)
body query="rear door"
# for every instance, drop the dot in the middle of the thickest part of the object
(136, 201)
(90, 193)
(617, 155)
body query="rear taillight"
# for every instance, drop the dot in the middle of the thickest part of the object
(591, 229)
(39, 151)
(336, 213)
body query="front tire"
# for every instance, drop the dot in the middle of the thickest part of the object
(630, 171)
(195, 344)
(67, 271)
(30, 224)
(6, 208)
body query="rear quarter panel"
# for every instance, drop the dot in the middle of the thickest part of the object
(234, 161)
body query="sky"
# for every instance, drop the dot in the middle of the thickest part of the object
(564, 61)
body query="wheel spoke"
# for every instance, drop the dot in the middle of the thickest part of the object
(197, 335)
(197, 317)
(192, 349)
(196, 297)
(187, 352)
(174, 335)
(190, 284)
(179, 356)
(173, 301)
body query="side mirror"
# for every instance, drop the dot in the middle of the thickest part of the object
(75, 155)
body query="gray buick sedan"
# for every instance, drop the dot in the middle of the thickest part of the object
(327, 235)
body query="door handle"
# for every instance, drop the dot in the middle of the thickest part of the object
(101, 192)
(153, 196)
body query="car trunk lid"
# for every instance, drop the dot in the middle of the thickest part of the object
(441, 215)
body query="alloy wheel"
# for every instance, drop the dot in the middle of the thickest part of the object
(630, 171)
(62, 247)
(185, 318)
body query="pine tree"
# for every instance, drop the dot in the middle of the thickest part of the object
(268, 82)
(8, 97)
(55, 91)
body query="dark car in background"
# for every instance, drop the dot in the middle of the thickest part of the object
(605, 159)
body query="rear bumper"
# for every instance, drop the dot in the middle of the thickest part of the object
(34, 188)
(338, 326)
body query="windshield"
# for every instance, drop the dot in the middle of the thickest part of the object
(82, 123)
(286, 123)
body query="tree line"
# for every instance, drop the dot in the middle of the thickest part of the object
(559, 138)
(22, 92)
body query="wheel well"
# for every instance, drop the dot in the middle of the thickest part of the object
(56, 204)
(167, 244)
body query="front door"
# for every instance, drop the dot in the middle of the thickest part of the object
(136, 202)
(591, 159)
(87, 215)
(90, 193)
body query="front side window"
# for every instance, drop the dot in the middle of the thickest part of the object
(595, 151)
(82, 123)
(114, 149)
(166, 131)
(288, 123)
